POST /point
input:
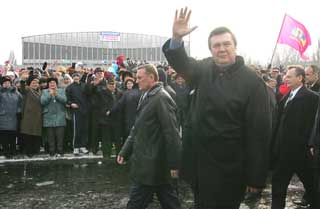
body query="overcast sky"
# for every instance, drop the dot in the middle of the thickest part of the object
(255, 23)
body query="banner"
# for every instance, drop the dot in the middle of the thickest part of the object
(294, 34)
(109, 36)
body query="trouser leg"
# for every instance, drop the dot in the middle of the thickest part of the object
(94, 142)
(51, 137)
(306, 176)
(168, 196)
(280, 181)
(107, 134)
(81, 130)
(140, 196)
(59, 132)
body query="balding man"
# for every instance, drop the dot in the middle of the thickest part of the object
(312, 78)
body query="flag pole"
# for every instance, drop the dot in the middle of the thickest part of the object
(275, 47)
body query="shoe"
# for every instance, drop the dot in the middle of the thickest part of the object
(83, 150)
(76, 151)
(302, 202)
(59, 155)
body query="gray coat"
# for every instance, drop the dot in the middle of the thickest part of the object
(53, 108)
(10, 106)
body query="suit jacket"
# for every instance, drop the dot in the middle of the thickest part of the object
(294, 126)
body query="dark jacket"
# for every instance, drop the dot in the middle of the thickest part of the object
(314, 140)
(76, 93)
(106, 101)
(94, 96)
(10, 106)
(182, 92)
(294, 126)
(31, 121)
(229, 130)
(315, 87)
(127, 106)
(154, 143)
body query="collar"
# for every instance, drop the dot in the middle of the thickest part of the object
(231, 67)
(295, 91)
(154, 89)
(313, 84)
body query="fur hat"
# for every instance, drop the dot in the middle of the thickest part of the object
(31, 78)
(127, 80)
(5, 78)
(52, 79)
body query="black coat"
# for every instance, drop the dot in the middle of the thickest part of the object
(154, 143)
(94, 95)
(315, 87)
(294, 127)
(229, 130)
(107, 100)
(127, 107)
(76, 93)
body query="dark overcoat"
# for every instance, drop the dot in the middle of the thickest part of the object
(154, 143)
(294, 127)
(226, 146)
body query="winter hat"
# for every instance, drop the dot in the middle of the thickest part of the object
(127, 80)
(43, 80)
(108, 75)
(98, 69)
(5, 78)
(76, 75)
(31, 78)
(120, 60)
(52, 79)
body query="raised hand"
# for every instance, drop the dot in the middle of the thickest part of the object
(181, 24)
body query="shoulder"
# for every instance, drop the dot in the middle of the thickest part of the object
(250, 77)
(310, 93)
(165, 97)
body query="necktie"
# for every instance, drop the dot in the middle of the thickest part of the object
(289, 98)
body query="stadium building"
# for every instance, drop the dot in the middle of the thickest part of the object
(91, 48)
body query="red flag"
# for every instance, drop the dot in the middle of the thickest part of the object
(294, 34)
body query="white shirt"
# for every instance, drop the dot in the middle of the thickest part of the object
(292, 94)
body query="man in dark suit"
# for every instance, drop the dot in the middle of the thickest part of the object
(312, 78)
(295, 121)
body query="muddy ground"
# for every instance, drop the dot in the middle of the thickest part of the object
(93, 184)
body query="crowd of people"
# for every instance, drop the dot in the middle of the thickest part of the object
(216, 123)
(71, 109)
